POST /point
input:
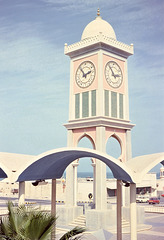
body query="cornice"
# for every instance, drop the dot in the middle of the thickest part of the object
(99, 121)
(98, 42)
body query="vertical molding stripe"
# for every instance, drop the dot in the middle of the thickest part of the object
(89, 104)
(80, 105)
(71, 95)
(110, 105)
(126, 114)
(106, 102)
(100, 89)
(118, 105)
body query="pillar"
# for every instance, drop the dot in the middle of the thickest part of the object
(75, 165)
(69, 175)
(21, 193)
(69, 186)
(126, 191)
(100, 180)
(94, 181)
(119, 210)
(128, 145)
(53, 197)
(133, 212)
(53, 206)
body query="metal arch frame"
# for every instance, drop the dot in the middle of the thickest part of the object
(51, 165)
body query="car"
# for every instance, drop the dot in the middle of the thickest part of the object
(142, 199)
(154, 200)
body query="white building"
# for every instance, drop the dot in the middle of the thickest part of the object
(160, 183)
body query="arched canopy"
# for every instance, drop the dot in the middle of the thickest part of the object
(51, 165)
(143, 164)
(2, 174)
(12, 164)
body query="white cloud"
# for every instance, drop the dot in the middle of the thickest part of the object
(75, 7)
(30, 69)
(34, 73)
(28, 54)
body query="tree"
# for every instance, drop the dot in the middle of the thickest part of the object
(30, 224)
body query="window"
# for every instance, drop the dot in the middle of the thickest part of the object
(85, 104)
(121, 112)
(106, 99)
(93, 101)
(77, 105)
(114, 104)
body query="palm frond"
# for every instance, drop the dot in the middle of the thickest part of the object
(26, 224)
(31, 224)
(39, 225)
(75, 231)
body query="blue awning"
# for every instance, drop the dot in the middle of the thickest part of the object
(2, 174)
(51, 165)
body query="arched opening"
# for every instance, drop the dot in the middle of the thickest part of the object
(85, 166)
(113, 148)
(85, 171)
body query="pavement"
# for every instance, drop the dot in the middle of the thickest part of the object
(153, 229)
(155, 233)
(153, 220)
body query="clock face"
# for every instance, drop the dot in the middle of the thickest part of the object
(113, 74)
(85, 74)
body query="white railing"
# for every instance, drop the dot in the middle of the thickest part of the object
(155, 209)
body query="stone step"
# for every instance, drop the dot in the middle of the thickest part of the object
(125, 223)
(82, 217)
(80, 222)
(60, 229)
(73, 225)
(125, 226)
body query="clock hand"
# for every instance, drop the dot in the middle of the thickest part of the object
(82, 72)
(87, 73)
(112, 72)
(117, 75)
(114, 75)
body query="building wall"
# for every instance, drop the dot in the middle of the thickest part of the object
(160, 187)
(83, 188)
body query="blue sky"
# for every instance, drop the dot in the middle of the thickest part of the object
(34, 72)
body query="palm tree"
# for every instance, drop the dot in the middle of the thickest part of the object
(74, 232)
(30, 224)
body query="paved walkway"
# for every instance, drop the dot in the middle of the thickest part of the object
(156, 220)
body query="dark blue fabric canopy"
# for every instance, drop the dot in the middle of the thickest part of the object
(52, 165)
(2, 174)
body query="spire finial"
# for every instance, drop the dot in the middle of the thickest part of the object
(98, 12)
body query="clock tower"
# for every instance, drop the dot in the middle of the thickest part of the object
(98, 107)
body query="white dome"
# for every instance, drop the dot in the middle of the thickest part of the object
(96, 27)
